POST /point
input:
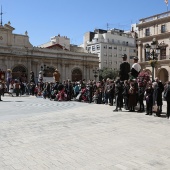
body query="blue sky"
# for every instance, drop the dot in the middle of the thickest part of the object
(72, 18)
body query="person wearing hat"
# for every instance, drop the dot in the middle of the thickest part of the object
(124, 69)
(135, 70)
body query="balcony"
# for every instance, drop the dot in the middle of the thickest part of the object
(155, 17)
(167, 57)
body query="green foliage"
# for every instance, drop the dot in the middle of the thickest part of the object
(107, 73)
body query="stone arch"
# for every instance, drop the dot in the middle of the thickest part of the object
(163, 75)
(49, 72)
(20, 72)
(76, 74)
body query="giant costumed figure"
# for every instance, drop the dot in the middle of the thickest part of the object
(136, 68)
(56, 75)
(124, 69)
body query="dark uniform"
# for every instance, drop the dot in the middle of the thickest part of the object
(124, 69)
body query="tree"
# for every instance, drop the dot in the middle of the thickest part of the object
(107, 73)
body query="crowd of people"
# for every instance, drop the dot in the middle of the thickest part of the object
(125, 92)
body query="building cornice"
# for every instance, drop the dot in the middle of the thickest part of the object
(158, 37)
(47, 54)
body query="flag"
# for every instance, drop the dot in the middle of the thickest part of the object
(166, 1)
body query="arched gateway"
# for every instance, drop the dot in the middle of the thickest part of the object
(163, 75)
(19, 72)
(76, 75)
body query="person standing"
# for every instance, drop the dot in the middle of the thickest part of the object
(17, 87)
(90, 92)
(11, 89)
(118, 95)
(124, 69)
(141, 91)
(69, 90)
(160, 91)
(1, 89)
(126, 94)
(132, 97)
(149, 99)
(167, 98)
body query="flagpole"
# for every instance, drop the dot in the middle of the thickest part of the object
(166, 1)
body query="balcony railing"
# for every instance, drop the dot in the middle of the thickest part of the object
(167, 57)
(155, 17)
(111, 42)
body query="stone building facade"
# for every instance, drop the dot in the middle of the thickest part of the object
(155, 27)
(19, 55)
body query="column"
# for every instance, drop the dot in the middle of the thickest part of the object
(140, 51)
(143, 53)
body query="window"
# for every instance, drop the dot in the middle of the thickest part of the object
(163, 28)
(105, 46)
(147, 56)
(88, 48)
(120, 55)
(115, 48)
(115, 55)
(98, 47)
(163, 53)
(110, 47)
(131, 57)
(110, 55)
(132, 51)
(93, 48)
(147, 32)
(112, 40)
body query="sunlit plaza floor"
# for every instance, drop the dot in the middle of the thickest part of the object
(38, 134)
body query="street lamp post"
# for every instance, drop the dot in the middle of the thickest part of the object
(95, 72)
(153, 51)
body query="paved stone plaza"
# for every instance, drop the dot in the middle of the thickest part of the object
(38, 134)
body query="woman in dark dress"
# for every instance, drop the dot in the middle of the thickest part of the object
(149, 99)
(159, 98)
